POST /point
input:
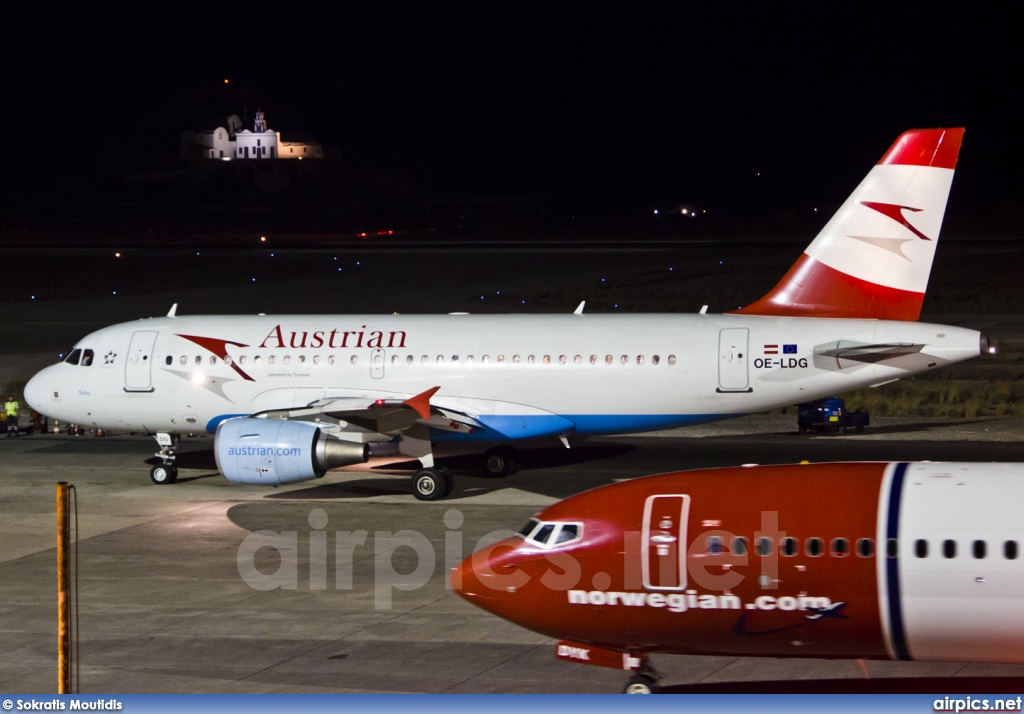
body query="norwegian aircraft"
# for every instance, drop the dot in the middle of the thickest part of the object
(292, 396)
(904, 561)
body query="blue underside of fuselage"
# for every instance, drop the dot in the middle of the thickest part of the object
(513, 428)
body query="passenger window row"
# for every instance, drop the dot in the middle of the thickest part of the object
(840, 547)
(410, 359)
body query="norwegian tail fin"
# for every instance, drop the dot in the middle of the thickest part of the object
(873, 258)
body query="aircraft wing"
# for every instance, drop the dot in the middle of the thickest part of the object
(363, 419)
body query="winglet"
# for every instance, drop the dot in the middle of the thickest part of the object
(579, 310)
(421, 402)
(173, 311)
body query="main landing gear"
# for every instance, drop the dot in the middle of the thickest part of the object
(432, 483)
(499, 462)
(165, 472)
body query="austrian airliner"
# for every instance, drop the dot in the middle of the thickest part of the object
(290, 397)
(903, 561)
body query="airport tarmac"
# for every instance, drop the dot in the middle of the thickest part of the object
(170, 577)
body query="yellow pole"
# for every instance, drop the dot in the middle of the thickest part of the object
(63, 588)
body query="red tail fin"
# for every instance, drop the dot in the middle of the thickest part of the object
(873, 258)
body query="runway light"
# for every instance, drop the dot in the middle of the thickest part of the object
(263, 239)
(254, 280)
(117, 255)
(115, 292)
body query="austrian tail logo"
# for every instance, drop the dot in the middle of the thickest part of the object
(893, 212)
(220, 348)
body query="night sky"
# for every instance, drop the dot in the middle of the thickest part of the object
(594, 106)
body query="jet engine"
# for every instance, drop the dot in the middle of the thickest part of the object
(277, 451)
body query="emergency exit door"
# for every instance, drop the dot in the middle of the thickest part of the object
(663, 542)
(377, 364)
(732, 360)
(138, 376)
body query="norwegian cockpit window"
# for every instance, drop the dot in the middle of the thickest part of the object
(549, 535)
(75, 355)
(528, 528)
(568, 533)
(543, 533)
(87, 356)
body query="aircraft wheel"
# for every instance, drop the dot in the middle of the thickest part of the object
(640, 684)
(499, 462)
(162, 474)
(449, 481)
(431, 484)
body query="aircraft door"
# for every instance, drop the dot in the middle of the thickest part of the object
(377, 364)
(138, 366)
(663, 542)
(732, 360)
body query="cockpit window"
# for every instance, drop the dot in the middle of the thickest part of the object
(543, 533)
(87, 356)
(567, 533)
(551, 534)
(74, 356)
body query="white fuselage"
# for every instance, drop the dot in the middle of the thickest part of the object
(519, 375)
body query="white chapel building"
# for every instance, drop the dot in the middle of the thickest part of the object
(235, 142)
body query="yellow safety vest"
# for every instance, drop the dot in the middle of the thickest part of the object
(12, 408)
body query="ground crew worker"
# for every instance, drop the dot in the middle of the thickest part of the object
(11, 408)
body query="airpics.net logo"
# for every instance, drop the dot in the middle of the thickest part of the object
(977, 704)
(407, 560)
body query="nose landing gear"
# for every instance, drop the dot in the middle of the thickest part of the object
(165, 472)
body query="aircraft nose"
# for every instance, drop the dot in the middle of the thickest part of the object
(491, 578)
(36, 392)
(465, 581)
